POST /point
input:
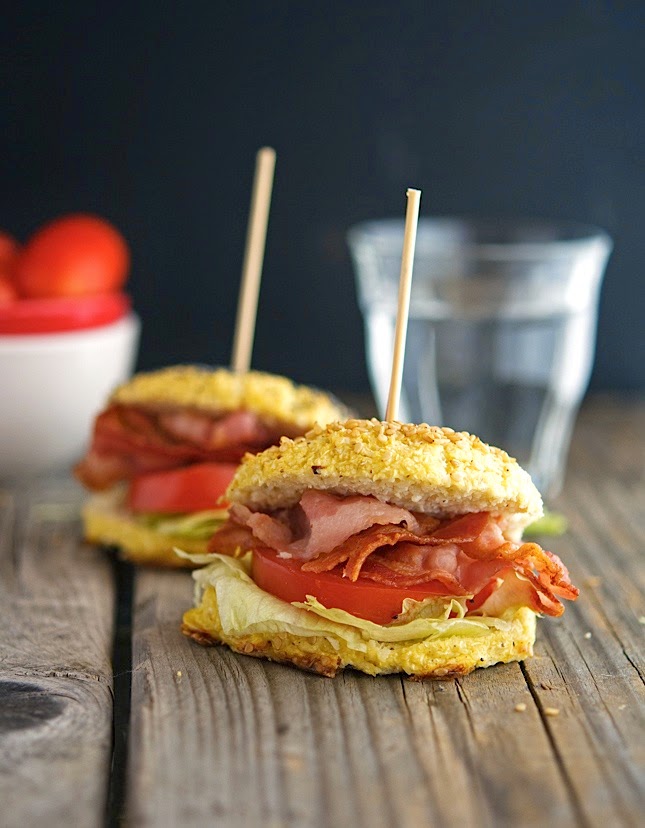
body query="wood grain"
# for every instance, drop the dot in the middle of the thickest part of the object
(582, 671)
(590, 664)
(56, 610)
(219, 736)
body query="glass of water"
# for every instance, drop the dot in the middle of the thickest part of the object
(501, 333)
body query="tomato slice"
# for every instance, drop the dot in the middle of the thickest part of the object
(190, 489)
(366, 599)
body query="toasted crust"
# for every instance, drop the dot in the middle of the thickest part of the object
(275, 398)
(108, 524)
(418, 467)
(326, 655)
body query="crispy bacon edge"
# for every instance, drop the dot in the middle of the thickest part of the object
(477, 536)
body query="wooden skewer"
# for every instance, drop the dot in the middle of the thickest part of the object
(405, 282)
(256, 233)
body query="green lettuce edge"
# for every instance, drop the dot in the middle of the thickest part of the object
(194, 526)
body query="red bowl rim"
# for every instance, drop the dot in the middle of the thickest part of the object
(60, 314)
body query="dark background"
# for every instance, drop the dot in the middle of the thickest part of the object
(150, 113)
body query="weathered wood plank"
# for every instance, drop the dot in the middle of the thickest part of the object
(606, 547)
(215, 734)
(56, 621)
(609, 439)
(590, 665)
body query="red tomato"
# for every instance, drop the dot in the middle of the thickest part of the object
(190, 489)
(7, 290)
(73, 256)
(366, 599)
(9, 249)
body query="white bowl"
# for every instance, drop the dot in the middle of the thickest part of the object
(52, 386)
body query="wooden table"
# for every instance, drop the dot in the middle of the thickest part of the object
(180, 735)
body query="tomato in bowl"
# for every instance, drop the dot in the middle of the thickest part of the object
(75, 255)
(62, 349)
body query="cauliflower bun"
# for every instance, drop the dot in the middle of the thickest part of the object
(167, 445)
(382, 546)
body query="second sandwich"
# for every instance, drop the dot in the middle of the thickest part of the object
(167, 445)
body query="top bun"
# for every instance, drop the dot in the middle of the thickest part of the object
(276, 399)
(419, 467)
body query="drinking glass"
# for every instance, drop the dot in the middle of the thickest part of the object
(501, 332)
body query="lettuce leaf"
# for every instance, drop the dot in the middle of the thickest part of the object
(196, 526)
(551, 523)
(412, 630)
(245, 609)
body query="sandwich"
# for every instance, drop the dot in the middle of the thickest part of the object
(167, 445)
(381, 546)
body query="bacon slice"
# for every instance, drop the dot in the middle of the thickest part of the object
(265, 529)
(98, 471)
(355, 550)
(409, 564)
(509, 589)
(548, 575)
(413, 560)
(333, 519)
(187, 426)
(128, 440)
(464, 568)
(125, 443)
(329, 520)
(465, 529)
(467, 555)
(231, 537)
(242, 428)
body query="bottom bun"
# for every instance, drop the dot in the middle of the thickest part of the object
(278, 639)
(107, 522)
